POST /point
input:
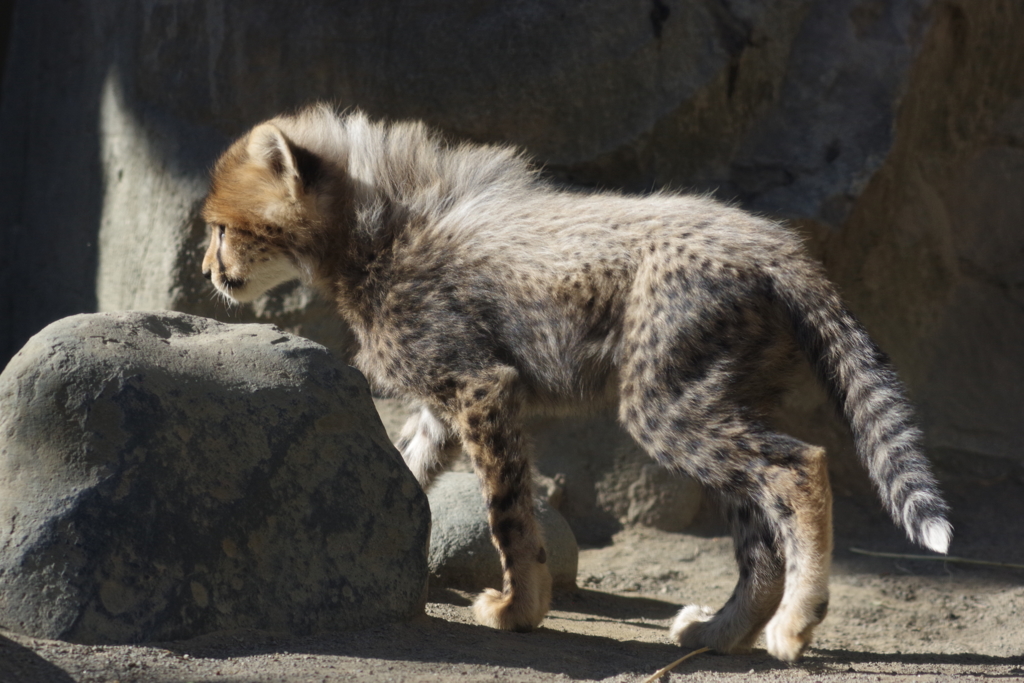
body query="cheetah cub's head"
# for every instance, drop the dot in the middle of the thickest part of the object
(262, 211)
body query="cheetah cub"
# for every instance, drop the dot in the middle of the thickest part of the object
(487, 294)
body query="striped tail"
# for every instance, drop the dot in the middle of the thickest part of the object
(863, 385)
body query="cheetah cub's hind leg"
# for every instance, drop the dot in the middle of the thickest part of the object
(794, 501)
(754, 600)
(804, 504)
(778, 487)
(489, 423)
(701, 435)
(783, 540)
(427, 445)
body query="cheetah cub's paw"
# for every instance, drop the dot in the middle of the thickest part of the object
(689, 628)
(522, 610)
(498, 610)
(787, 638)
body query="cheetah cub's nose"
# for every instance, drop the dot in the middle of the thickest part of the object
(208, 274)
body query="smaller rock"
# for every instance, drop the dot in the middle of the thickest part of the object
(461, 553)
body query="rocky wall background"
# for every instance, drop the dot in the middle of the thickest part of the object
(891, 132)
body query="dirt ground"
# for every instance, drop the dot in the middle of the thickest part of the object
(889, 620)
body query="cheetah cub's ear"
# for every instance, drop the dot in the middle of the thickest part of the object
(270, 148)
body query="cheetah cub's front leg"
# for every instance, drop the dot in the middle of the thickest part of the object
(492, 436)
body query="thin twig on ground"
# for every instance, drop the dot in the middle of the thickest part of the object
(937, 558)
(661, 672)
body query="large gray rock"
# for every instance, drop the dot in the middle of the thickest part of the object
(461, 553)
(163, 476)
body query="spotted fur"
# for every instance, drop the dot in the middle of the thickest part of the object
(486, 294)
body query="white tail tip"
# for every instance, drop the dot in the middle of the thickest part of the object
(936, 535)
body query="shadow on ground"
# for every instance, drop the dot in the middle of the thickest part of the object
(19, 664)
(578, 656)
